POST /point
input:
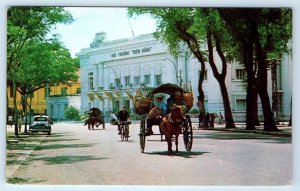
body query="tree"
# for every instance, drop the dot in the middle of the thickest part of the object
(72, 113)
(45, 64)
(24, 24)
(173, 33)
(260, 33)
(177, 25)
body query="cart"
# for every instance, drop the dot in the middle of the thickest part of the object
(146, 103)
(95, 118)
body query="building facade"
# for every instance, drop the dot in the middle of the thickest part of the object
(50, 100)
(112, 71)
(60, 97)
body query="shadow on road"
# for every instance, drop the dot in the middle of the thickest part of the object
(60, 146)
(67, 159)
(233, 135)
(17, 180)
(184, 154)
(37, 146)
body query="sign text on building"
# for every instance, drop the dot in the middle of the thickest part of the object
(134, 51)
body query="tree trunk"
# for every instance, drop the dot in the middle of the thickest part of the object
(247, 52)
(269, 122)
(200, 88)
(25, 114)
(220, 77)
(255, 107)
(15, 107)
(194, 46)
(226, 104)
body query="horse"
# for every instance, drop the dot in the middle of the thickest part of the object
(95, 118)
(171, 125)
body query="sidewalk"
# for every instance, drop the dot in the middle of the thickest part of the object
(284, 129)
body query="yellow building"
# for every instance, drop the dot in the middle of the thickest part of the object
(42, 96)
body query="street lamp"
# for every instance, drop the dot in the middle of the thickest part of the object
(175, 66)
(117, 80)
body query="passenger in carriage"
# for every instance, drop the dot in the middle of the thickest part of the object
(176, 100)
(155, 121)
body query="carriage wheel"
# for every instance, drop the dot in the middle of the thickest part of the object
(122, 132)
(142, 135)
(187, 133)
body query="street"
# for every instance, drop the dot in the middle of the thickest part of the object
(74, 155)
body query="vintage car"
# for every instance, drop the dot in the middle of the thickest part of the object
(41, 123)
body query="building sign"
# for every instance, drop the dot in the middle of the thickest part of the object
(131, 52)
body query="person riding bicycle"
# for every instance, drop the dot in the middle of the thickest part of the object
(123, 115)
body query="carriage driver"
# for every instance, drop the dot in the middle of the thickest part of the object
(123, 115)
(164, 108)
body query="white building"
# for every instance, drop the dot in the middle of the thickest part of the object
(112, 71)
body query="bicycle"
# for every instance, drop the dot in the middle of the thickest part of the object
(219, 119)
(124, 128)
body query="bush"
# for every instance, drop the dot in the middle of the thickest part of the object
(72, 113)
(194, 111)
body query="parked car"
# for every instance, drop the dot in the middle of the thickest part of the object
(41, 123)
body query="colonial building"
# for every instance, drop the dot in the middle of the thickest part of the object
(50, 100)
(112, 71)
(60, 97)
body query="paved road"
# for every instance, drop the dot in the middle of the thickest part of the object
(75, 155)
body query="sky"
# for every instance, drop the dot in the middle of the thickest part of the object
(90, 20)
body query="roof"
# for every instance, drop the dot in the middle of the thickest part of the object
(41, 116)
(167, 88)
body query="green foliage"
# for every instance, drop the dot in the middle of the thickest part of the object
(84, 116)
(45, 63)
(35, 60)
(27, 23)
(194, 111)
(71, 113)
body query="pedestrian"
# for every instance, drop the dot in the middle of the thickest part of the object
(201, 116)
(207, 119)
(20, 122)
(113, 118)
(10, 120)
(212, 120)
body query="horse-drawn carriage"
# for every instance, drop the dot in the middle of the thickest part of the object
(145, 106)
(95, 118)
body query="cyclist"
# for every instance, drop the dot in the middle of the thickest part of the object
(123, 115)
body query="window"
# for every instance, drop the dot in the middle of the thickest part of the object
(136, 80)
(91, 80)
(118, 82)
(63, 91)
(127, 103)
(240, 74)
(116, 107)
(205, 74)
(147, 79)
(65, 107)
(51, 109)
(78, 91)
(47, 91)
(157, 80)
(240, 104)
(127, 80)
(11, 93)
